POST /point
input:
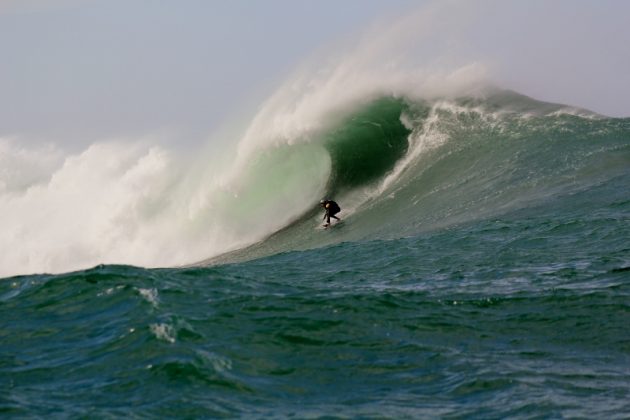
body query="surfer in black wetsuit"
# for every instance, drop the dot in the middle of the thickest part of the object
(332, 208)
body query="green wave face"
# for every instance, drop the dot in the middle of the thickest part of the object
(367, 144)
(400, 166)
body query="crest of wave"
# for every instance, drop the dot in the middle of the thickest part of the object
(407, 58)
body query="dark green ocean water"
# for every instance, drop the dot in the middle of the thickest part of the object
(490, 280)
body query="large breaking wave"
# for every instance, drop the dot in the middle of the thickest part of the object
(398, 165)
(403, 147)
(402, 166)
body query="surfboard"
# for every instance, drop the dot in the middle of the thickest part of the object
(332, 224)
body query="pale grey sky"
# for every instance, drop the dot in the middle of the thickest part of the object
(75, 71)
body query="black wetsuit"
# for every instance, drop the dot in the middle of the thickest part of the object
(332, 208)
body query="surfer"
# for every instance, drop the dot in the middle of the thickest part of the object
(332, 208)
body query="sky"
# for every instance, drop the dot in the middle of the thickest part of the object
(76, 71)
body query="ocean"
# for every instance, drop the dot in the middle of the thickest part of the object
(482, 270)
